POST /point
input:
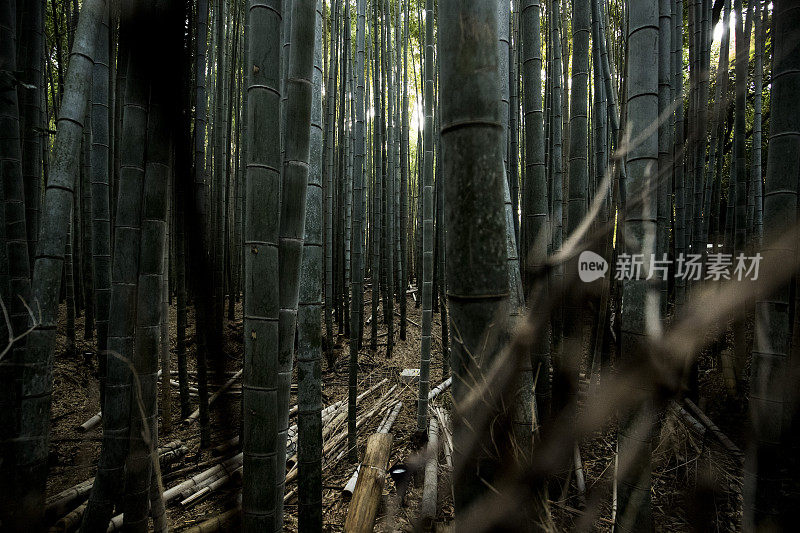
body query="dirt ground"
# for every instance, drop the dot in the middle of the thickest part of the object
(681, 458)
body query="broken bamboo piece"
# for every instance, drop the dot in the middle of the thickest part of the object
(91, 423)
(446, 435)
(580, 481)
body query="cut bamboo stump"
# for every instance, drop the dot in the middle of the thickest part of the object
(431, 486)
(369, 488)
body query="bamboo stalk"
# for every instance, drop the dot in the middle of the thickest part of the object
(227, 465)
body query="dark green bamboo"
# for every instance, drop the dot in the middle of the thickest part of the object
(27, 478)
(261, 470)
(18, 291)
(565, 366)
(357, 249)
(513, 126)
(427, 226)
(330, 111)
(107, 491)
(31, 54)
(377, 179)
(201, 197)
(86, 271)
(404, 157)
(535, 217)
(556, 172)
(665, 144)
(147, 339)
(389, 179)
(758, 76)
(180, 301)
(472, 167)
(742, 172)
(293, 213)
(772, 464)
(635, 427)
(678, 148)
(69, 281)
(309, 319)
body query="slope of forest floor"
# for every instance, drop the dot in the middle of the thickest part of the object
(687, 467)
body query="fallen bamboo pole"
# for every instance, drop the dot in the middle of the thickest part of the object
(227, 465)
(194, 416)
(384, 427)
(408, 319)
(439, 389)
(431, 485)
(224, 520)
(687, 418)
(220, 481)
(61, 504)
(369, 488)
(70, 521)
(216, 523)
(712, 427)
(388, 422)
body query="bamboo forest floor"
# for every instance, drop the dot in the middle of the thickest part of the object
(687, 466)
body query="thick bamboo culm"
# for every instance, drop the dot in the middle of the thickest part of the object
(369, 488)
